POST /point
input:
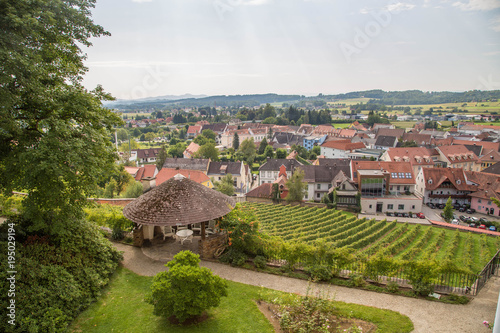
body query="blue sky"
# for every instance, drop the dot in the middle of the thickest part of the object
(212, 47)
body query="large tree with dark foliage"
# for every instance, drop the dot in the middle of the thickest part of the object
(54, 133)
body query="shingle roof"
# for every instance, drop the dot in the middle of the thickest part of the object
(187, 163)
(178, 201)
(385, 141)
(273, 164)
(414, 155)
(420, 139)
(457, 154)
(490, 156)
(224, 168)
(396, 132)
(486, 144)
(343, 164)
(147, 153)
(262, 191)
(495, 169)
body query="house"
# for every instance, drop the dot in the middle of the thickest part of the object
(419, 157)
(436, 185)
(385, 142)
(420, 139)
(257, 134)
(345, 189)
(286, 140)
(145, 155)
(269, 171)
(193, 131)
(458, 156)
(494, 169)
(314, 140)
(195, 175)
(241, 177)
(321, 130)
(385, 186)
(187, 163)
(191, 150)
(319, 178)
(489, 158)
(145, 174)
(395, 132)
(488, 186)
(487, 145)
(339, 148)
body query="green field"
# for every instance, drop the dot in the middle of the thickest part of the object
(370, 237)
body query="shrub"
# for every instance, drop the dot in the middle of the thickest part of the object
(57, 277)
(186, 289)
(357, 280)
(320, 272)
(234, 257)
(260, 262)
(117, 233)
(392, 287)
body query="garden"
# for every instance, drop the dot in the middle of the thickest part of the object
(329, 244)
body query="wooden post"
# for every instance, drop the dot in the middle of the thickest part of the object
(202, 231)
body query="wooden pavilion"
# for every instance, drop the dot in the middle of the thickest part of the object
(177, 202)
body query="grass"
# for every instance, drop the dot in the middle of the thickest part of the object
(122, 309)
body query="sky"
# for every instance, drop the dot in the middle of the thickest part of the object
(306, 47)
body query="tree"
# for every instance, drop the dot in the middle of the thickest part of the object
(209, 134)
(247, 150)
(262, 146)
(236, 141)
(150, 136)
(269, 152)
(177, 150)
(225, 185)
(281, 153)
(162, 156)
(122, 135)
(186, 289)
(208, 150)
(296, 187)
(270, 134)
(411, 143)
(133, 190)
(448, 210)
(54, 133)
(269, 120)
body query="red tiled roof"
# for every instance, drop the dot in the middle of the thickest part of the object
(490, 156)
(194, 129)
(167, 173)
(343, 145)
(262, 191)
(414, 155)
(457, 154)
(487, 145)
(394, 168)
(455, 176)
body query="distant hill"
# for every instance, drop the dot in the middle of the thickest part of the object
(389, 98)
(222, 100)
(412, 97)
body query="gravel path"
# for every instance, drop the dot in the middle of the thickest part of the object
(427, 316)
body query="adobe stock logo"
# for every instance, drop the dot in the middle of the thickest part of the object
(373, 28)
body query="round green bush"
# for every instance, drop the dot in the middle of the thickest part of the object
(260, 262)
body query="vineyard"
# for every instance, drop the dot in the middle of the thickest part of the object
(367, 238)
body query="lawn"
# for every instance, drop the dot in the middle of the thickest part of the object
(122, 309)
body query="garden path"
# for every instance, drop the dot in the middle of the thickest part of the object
(427, 316)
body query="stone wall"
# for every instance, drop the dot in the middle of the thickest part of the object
(211, 245)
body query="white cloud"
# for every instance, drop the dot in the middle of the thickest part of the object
(478, 5)
(489, 54)
(399, 7)
(141, 1)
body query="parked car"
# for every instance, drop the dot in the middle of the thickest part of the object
(492, 228)
(461, 209)
(472, 225)
(431, 205)
(414, 215)
(483, 219)
(456, 206)
(406, 215)
(421, 215)
(454, 221)
(464, 218)
(470, 211)
(440, 206)
(482, 226)
(473, 219)
(389, 214)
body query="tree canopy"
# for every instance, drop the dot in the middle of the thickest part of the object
(54, 133)
(296, 187)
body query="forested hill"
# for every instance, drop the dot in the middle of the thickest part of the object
(411, 97)
(408, 97)
(222, 100)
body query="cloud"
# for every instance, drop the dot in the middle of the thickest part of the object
(141, 1)
(489, 54)
(399, 7)
(478, 5)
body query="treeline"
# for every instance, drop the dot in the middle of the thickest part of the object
(411, 97)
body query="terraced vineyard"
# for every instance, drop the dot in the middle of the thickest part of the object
(370, 237)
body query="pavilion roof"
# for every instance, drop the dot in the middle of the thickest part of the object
(178, 201)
